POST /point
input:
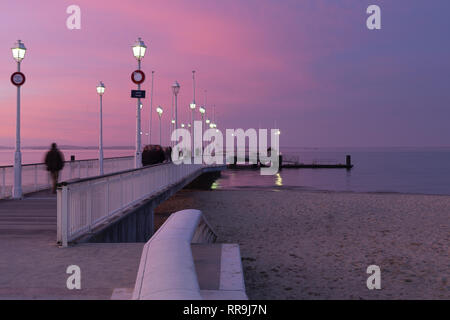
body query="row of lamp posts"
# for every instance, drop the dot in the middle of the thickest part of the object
(139, 50)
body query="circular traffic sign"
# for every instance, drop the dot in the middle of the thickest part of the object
(18, 78)
(138, 77)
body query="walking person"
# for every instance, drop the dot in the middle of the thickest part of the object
(54, 160)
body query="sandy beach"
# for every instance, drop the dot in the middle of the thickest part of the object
(317, 245)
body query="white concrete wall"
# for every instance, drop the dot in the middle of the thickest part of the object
(166, 270)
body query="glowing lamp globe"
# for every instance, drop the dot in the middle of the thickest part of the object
(101, 88)
(18, 51)
(139, 49)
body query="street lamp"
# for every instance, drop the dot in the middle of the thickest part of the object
(159, 110)
(176, 90)
(151, 107)
(18, 52)
(192, 106)
(182, 125)
(101, 91)
(139, 49)
(202, 111)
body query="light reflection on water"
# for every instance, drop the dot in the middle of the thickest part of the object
(278, 180)
(418, 171)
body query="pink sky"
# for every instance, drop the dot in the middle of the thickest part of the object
(310, 66)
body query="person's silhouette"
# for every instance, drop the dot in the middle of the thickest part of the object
(54, 160)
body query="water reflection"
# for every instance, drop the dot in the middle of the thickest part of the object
(424, 171)
(278, 180)
(215, 185)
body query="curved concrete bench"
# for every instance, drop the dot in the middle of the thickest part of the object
(167, 270)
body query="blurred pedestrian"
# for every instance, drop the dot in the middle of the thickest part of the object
(54, 160)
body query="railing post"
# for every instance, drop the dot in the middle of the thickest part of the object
(35, 178)
(62, 216)
(89, 207)
(107, 196)
(121, 192)
(4, 182)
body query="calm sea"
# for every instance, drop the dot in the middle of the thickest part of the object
(404, 170)
(37, 156)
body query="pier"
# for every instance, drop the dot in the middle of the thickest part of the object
(101, 224)
(286, 162)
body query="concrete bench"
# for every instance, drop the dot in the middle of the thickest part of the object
(167, 269)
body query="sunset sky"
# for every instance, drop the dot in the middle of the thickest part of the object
(311, 66)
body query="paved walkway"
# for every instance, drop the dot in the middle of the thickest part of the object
(33, 267)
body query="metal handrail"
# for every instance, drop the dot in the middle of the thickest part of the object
(69, 182)
(66, 161)
(35, 176)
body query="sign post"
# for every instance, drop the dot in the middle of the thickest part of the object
(138, 77)
(138, 94)
(18, 78)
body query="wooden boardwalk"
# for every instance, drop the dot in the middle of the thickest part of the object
(35, 214)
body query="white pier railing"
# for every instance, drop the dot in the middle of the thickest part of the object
(35, 177)
(84, 204)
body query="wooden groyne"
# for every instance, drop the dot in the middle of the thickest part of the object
(295, 165)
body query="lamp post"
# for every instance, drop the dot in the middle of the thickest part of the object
(159, 110)
(139, 49)
(172, 126)
(202, 111)
(193, 85)
(192, 106)
(18, 52)
(176, 90)
(151, 110)
(101, 91)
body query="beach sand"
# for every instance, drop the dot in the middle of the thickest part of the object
(317, 245)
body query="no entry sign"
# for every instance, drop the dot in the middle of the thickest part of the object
(18, 79)
(138, 77)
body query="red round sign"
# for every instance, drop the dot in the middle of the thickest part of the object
(138, 77)
(18, 79)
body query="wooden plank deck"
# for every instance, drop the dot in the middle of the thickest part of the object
(36, 213)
